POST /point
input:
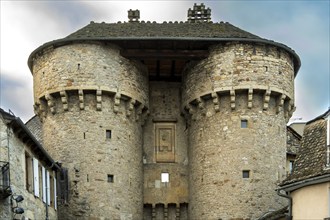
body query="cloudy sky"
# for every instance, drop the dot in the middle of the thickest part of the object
(301, 25)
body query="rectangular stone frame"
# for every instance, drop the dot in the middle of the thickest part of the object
(165, 140)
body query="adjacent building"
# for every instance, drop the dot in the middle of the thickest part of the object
(308, 187)
(27, 173)
(293, 146)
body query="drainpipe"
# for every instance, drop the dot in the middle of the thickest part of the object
(290, 202)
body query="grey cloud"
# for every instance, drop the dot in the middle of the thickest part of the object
(16, 96)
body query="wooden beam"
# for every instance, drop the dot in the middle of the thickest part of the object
(158, 68)
(164, 54)
(173, 68)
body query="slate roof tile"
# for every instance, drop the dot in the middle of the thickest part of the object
(161, 30)
(311, 159)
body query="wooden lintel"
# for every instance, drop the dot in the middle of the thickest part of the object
(158, 68)
(173, 68)
(164, 54)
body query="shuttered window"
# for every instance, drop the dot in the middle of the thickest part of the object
(48, 187)
(55, 194)
(35, 177)
(43, 184)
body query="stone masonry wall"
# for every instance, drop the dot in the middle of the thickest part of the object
(237, 66)
(78, 106)
(93, 66)
(229, 86)
(33, 206)
(165, 109)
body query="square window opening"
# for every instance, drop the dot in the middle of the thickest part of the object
(246, 174)
(110, 178)
(244, 123)
(165, 177)
(108, 134)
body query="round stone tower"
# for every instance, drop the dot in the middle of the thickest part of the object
(238, 101)
(91, 101)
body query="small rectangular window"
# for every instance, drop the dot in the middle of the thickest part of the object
(246, 173)
(108, 134)
(165, 177)
(110, 178)
(291, 166)
(244, 123)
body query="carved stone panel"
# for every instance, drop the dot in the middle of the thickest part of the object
(165, 142)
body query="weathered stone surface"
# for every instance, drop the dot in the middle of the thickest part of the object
(165, 155)
(219, 149)
(13, 150)
(190, 130)
(98, 85)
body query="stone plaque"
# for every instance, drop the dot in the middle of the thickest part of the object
(165, 142)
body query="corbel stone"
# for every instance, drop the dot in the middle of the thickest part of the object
(130, 107)
(266, 99)
(280, 103)
(177, 214)
(232, 99)
(64, 99)
(36, 108)
(145, 115)
(50, 103)
(201, 105)
(165, 210)
(42, 109)
(250, 98)
(117, 103)
(138, 113)
(98, 100)
(216, 101)
(81, 99)
(192, 110)
(153, 212)
(291, 108)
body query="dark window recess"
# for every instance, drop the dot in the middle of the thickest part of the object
(108, 134)
(244, 123)
(110, 178)
(246, 173)
(63, 186)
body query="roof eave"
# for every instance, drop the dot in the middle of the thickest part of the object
(65, 41)
(48, 158)
(289, 187)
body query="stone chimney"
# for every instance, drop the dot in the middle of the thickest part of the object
(133, 15)
(199, 14)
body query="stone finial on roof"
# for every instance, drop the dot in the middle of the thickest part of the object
(133, 15)
(199, 14)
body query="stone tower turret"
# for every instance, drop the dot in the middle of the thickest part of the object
(91, 102)
(238, 100)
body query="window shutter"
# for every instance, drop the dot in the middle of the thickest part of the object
(43, 171)
(55, 194)
(35, 177)
(48, 187)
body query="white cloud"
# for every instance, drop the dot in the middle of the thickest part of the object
(302, 25)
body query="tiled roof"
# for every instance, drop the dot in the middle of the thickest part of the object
(311, 159)
(35, 126)
(138, 31)
(160, 30)
(20, 128)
